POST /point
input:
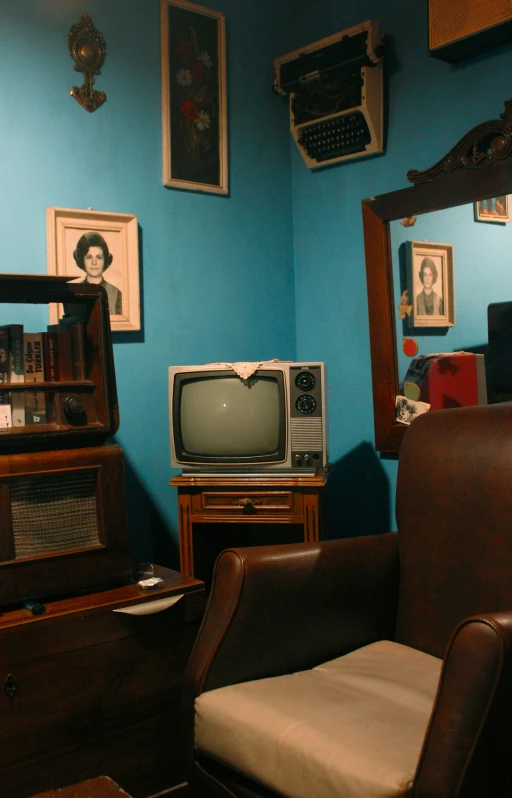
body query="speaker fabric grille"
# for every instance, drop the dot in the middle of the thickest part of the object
(306, 434)
(451, 20)
(53, 512)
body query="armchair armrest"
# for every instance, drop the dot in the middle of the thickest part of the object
(279, 609)
(470, 729)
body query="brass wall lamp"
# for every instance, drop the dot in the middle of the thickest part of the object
(88, 50)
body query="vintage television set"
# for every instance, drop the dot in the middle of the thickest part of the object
(272, 422)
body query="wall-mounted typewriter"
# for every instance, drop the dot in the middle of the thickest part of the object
(335, 89)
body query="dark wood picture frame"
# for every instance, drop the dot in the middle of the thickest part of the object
(194, 100)
(478, 166)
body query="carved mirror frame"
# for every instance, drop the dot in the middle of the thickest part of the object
(477, 167)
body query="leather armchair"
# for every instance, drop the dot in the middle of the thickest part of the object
(423, 617)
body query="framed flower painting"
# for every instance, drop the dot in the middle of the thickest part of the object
(194, 116)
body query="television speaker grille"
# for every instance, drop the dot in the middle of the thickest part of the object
(54, 512)
(451, 20)
(306, 434)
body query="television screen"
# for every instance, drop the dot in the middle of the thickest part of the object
(223, 416)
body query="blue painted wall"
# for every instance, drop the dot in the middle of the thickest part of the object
(274, 270)
(216, 272)
(431, 105)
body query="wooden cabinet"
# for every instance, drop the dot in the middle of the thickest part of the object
(89, 689)
(93, 686)
(218, 512)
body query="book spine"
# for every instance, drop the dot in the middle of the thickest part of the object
(5, 399)
(5, 416)
(17, 373)
(50, 356)
(64, 356)
(77, 330)
(35, 401)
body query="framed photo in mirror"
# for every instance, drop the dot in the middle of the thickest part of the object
(493, 209)
(430, 284)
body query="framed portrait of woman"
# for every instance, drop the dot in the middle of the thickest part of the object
(97, 247)
(430, 284)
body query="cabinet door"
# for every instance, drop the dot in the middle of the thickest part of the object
(110, 709)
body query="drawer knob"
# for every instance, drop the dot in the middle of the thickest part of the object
(247, 503)
(11, 685)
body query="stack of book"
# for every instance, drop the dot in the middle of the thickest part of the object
(25, 357)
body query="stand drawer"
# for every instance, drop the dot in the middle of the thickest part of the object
(247, 502)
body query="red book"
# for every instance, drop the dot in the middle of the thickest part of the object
(77, 330)
(64, 356)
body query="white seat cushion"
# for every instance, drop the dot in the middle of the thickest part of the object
(350, 728)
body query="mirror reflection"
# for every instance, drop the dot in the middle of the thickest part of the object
(456, 268)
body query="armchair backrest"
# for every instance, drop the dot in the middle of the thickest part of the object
(454, 516)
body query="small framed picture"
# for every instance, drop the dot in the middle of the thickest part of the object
(194, 113)
(97, 247)
(430, 284)
(494, 209)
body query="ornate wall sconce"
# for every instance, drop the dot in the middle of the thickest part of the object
(88, 50)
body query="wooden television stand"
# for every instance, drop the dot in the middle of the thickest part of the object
(217, 512)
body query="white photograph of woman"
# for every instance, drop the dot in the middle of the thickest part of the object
(429, 302)
(99, 248)
(92, 255)
(430, 282)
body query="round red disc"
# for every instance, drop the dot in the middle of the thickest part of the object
(410, 347)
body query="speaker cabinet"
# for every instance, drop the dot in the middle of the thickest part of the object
(63, 523)
(459, 29)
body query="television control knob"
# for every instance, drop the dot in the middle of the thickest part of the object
(73, 406)
(297, 459)
(306, 404)
(307, 459)
(305, 380)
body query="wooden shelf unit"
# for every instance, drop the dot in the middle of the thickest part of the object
(98, 393)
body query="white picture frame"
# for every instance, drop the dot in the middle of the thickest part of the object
(65, 227)
(437, 307)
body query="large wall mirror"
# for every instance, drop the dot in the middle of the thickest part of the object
(443, 201)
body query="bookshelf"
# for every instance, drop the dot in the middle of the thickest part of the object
(82, 412)
(92, 664)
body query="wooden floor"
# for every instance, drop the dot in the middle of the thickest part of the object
(104, 787)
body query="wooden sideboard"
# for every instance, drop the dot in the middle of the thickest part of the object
(218, 512)
(90, 689)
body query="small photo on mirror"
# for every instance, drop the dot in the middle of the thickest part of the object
(494, 209)
(430, 284)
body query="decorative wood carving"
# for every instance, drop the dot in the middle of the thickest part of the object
(487, 142)
(88, 50)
